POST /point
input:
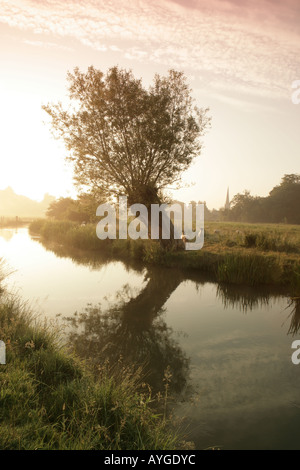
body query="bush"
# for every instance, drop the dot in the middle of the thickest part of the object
(250, 240)
(268, 242)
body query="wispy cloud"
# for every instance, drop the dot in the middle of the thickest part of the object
(245, 46)
(47, 45)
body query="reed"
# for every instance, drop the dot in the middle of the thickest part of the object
(51, 400)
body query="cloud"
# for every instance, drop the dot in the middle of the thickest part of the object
(249, 46)
(47, 45)
(135, 54)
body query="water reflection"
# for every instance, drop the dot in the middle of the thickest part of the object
(244, 298)
(133, 328)
(91, 259)
(294, 315)
(7, 234)
(238, 364)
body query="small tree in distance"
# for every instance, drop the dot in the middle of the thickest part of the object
(81, 210)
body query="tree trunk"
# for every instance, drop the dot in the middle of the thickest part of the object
(148, 195)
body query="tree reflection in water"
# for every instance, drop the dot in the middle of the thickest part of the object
(294, 315)
(134, 328)
(246, 298)
(243, 297)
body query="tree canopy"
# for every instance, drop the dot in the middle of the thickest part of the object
(82, 209)
(281, 205)
(126, 139)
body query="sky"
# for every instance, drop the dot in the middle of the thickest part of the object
(240, 58)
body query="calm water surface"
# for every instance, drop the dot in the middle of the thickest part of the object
(228, 349)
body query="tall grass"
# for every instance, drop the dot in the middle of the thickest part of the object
(270, 242)
(50, 399)
(251, 270)
(85, 237)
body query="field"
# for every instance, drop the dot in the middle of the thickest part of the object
(292, 232)
(265, 237)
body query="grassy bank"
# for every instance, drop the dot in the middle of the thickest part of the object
(50, 400)
(234, 253)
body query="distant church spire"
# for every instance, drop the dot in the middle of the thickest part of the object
(227, 203)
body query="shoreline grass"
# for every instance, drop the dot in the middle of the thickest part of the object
(258, 254)
(49, 399)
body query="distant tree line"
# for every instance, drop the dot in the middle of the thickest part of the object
(82, 209)
(282, 205)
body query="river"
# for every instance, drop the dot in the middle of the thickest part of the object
(228, 349)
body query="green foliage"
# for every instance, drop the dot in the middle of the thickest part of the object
(281, 206)
(268, 242)
(124, 138)
(251, 240)
(154, 253)
(82, 210)
(69, 233)
(251, 270)
(51, 400)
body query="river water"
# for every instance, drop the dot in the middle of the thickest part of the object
(227, 349)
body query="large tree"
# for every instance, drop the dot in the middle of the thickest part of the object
(126, 139)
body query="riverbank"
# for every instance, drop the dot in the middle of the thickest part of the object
(51, 400)
(260, 254)
(15, 222)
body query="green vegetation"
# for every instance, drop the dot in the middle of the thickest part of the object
(83, 209)
(280, 206)
(125, 139)
(236, 253)
(49, 399)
